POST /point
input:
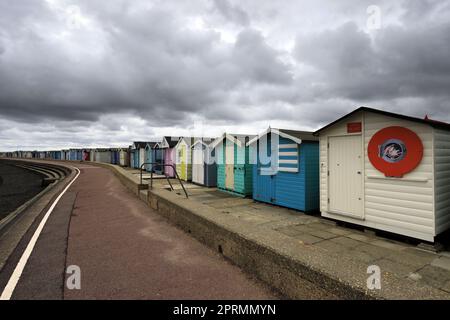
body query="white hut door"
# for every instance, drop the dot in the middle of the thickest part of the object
(229, 165)
(345, 176)
(197, 165)
(200, 168)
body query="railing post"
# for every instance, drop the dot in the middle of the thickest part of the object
(163, 165)
(151, 179)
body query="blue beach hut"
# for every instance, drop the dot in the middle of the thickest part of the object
(73, 155)
(65, 155)
(158, 156)
(132, 157)
(79, 155)
(115, 156)
(137, 154)
(286, 170)
(56, 155)
(149, 155)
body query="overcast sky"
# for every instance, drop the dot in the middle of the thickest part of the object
(104, 73)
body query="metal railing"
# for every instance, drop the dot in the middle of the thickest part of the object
(156, 164)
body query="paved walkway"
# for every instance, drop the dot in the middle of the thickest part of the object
(125, 251)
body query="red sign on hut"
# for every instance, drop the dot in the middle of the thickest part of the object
(354, 127)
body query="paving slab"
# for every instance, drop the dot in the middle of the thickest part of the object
(307, 239)
(340, 231)
(347, 242)
(446, 286)
(442, 262)
(368, 253)
(435, 276)
(397, 268)
(359, 237)
(330, 247)
(396, 246)
(322, 234)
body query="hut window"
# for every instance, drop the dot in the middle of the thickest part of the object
(288, 156)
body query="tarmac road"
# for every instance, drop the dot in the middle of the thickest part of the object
(124, 250)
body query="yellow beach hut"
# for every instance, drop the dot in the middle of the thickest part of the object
(183, 157)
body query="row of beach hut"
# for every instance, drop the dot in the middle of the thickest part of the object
(372, 168)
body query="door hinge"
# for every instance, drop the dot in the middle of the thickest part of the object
(328, 200)
(328, 172)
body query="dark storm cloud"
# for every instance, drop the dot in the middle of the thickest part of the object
(407, 61)
(2, 46)
(149, 64)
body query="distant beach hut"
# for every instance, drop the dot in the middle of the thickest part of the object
(64, 154)
(86, 155)
(149, 155)
(168, 144)
(132, 154)
(103, 155)
(79, 154)
(124, 158)
(158, 157)
(55, 155)
(115, 156)
(73, 155)
(92, 154)
(138, 154)
(183, 158)
(204, 167)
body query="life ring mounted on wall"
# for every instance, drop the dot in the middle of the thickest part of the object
(395, 151)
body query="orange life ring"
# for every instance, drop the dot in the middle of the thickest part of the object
(395, 151)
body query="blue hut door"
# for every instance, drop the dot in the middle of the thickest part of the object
(148, 159)
(265, 176)
(158, 159)
(136, 158)
(264, 188)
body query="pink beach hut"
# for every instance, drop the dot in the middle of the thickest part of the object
(168, 145)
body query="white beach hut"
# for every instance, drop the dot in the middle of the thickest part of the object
(386, 171)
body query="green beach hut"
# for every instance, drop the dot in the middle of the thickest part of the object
(234, 168)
